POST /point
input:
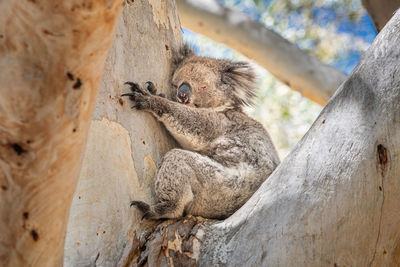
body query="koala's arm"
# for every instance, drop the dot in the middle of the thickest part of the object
(186, 124)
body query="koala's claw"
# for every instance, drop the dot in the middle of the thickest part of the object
(151, 88)
(135, 88)
(142, 206)
(148, 215)
(128, 94)
(139, 99)
(133, 96)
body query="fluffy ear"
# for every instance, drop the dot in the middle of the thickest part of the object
(183, 53)
(240, 77)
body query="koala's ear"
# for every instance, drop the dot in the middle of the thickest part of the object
(240, 77)
(183, 53)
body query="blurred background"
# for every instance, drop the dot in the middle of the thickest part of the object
(337, 32)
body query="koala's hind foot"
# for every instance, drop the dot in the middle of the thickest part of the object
(144, 208)
(162, 210)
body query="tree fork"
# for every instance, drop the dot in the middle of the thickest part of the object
(332, 201)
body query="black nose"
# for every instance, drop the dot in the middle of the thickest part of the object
(184, 93)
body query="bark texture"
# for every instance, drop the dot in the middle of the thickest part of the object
(124, 146)
(52, 55)
(381, 11)
(333, 201)
(292, 66)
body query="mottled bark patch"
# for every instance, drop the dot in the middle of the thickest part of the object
(18, 149)
(35, 235)
(77, 84)
(70, 76)
(383, 161)
(170, 244)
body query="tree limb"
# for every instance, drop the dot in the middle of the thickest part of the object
(51, 60)
(295, 68)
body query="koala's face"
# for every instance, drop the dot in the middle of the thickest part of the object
(198, 83)
(211, 83)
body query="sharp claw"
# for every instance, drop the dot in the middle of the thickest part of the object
(134, 87)
(147, 215)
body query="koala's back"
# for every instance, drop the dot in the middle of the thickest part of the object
(245, 141)
(236, 164)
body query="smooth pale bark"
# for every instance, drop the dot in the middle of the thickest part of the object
(333, 201)
(52, 55)
(292, 66)
(124, 146)
(381, 11)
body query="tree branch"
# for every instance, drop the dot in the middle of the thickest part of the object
(295, 68)
(51, 59)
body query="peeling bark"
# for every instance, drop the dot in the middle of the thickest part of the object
(171, 243)
(52, 55)
(289, 64)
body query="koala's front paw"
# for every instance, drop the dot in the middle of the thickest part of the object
(139, 96)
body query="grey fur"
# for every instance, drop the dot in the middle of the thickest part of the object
(225, 154)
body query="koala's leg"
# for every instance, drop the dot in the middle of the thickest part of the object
(188, 181)
(172, 186)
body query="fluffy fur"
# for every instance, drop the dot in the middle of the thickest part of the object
(225, 154)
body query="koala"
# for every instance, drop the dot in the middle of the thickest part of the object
(225, 155)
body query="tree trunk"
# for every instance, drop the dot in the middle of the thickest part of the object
(52, 55)
(124, 146)
(333, 201)
(381, 11)
(292, 66)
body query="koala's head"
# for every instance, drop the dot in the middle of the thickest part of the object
(211, 83)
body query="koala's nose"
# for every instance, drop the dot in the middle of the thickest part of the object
(184, 92)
